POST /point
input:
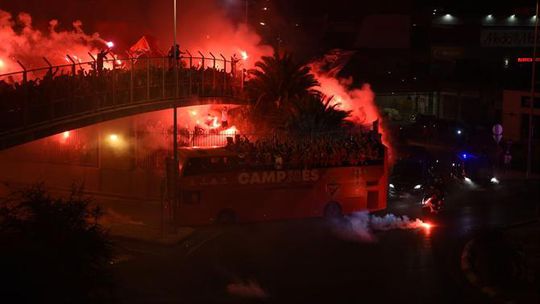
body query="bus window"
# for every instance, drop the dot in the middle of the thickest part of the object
(190, 197)
(215, 164)
(195, 166)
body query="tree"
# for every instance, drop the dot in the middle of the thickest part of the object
(277, 79)
(53, 250)
(314, 113)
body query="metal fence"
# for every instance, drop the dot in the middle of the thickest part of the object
(32, 97)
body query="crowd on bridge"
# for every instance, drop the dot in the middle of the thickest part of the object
(39, 95)
(321, 150)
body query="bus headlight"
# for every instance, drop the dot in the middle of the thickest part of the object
(391, 186)
(417, 187)
(494, 180)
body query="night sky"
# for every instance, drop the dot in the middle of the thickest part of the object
(125, 21)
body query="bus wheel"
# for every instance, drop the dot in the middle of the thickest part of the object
(332, 210)
(226, 217)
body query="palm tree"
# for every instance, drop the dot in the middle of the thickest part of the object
(277, 79)
(314, 113)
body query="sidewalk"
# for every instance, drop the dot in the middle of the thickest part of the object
(148, 234)
(505, 264)
(527, 236)
(515, 175)
(142, 225)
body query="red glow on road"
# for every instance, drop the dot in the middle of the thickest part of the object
(426, 226)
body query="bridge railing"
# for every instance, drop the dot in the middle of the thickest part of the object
(33, 97)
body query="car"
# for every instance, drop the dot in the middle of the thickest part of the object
(409, 177)
(474, 169)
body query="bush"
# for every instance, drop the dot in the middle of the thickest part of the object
(52, 249)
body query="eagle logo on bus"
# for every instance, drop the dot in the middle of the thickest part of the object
(275, 177)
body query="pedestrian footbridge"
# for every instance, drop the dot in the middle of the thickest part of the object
(35, 103)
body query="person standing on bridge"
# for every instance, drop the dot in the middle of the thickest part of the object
(100, 60)
(174, 54)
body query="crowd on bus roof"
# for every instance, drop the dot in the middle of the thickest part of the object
(323, 150)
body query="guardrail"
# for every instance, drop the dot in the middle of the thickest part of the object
(34, 97)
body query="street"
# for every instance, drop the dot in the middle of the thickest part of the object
(313, 260)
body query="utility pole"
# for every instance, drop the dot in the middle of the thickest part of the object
(246, 12)
(531, 102)
(175, 122)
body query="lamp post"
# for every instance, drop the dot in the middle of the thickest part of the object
(531, 102)
(175, 118)
(246, 12)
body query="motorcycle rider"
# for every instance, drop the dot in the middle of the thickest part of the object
(435, 195)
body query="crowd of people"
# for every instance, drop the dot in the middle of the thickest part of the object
(320, 151)
(41, 95)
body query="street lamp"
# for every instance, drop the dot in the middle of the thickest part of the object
(531, 102)
(175, 113)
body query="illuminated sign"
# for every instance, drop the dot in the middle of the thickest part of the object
(506, 38)
(527, 59)
(272, 177)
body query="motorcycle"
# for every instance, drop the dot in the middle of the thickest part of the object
(433, 203)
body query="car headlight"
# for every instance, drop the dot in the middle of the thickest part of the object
(417, 187)
(494, 180)
(391, 186)
(468, 180)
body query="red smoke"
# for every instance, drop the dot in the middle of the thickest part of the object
(21, 41)
(360, 101)
(202, 26)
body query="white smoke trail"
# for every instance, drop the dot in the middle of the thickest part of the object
(361, 226)
(249, 289)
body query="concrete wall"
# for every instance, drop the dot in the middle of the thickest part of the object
(512, 111)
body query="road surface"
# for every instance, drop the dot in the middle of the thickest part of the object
(316, 261)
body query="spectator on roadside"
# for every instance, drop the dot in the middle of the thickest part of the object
(507, 158)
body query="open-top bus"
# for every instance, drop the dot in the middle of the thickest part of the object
(216, 185)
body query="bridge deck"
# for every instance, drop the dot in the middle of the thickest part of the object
(38, 103)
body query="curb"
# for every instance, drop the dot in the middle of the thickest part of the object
(474, 279)
(165, 240)
(523, 223)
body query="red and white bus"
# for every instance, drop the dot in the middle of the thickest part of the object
(213, 187)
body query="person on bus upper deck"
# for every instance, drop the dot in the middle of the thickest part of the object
(224, 117)
(209, 120)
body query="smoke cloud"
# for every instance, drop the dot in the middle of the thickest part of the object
(22, 42)
(359, 101)
(361, 226)
(202, 26)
